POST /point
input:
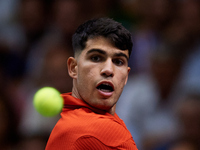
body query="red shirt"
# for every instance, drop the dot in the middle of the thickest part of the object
(81, 127)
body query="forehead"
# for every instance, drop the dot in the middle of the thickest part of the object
(104, 44)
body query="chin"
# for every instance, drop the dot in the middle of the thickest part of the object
(105, 107)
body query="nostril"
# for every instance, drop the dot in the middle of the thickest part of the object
(107, 74)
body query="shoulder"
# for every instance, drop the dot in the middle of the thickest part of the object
(102, 127)
(80, 126)
(91, 142)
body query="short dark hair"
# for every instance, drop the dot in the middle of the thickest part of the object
(105, 27)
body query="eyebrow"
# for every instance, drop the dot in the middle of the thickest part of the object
(96, 50)
(103, 52)
(122, 54)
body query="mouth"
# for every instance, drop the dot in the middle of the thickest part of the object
(105, 88)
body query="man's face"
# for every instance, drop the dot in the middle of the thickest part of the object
(101, 71)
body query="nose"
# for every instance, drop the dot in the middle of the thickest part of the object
(107, 69)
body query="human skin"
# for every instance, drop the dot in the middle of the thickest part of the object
(100, 62)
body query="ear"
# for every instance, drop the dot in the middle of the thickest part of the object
(72, 67)
(129, 69)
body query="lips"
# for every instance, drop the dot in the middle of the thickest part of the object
(105, 88)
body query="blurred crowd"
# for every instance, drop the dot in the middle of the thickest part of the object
(160, 103)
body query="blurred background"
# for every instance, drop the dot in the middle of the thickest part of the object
(160, 103)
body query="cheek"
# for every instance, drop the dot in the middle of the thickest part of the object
(86, 75)
(123, 75)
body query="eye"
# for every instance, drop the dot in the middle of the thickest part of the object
(96, 58)
(118, 62)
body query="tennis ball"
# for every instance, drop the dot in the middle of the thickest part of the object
(48, 102)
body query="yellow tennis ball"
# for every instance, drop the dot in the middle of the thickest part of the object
(48, 102)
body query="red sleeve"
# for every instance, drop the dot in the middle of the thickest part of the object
(91, 143)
